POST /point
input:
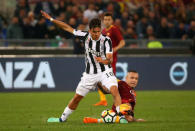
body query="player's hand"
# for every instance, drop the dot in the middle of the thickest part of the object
(44, 14)
(98, 59)
(115, 50)
(140, 120)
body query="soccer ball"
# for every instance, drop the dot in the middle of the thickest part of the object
(109, 116)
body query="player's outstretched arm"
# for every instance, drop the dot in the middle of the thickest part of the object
(61, 24)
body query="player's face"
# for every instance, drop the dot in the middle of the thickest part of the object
(108, 21)
(132, 79)
(95, 33)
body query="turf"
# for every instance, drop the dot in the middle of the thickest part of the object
(163, 110)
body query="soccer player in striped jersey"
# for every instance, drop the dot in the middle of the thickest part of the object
(128, 96)
(117, 43)
(98, 56)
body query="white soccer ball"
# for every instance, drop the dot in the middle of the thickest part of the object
(109, 116)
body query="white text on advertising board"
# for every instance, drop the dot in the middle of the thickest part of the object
(43, 75)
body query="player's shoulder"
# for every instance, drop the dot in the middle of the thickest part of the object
(106, 37)
(121, 82)
(114, 27)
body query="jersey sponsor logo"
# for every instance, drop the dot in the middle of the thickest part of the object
(178, 73)
(19, 75)
(122, 69)
(98, 54)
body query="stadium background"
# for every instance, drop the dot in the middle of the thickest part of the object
(36, 57)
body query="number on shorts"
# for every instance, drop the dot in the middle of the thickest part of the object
(109, 74)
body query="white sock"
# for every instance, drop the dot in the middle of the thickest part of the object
(66, 113)
(118, 109)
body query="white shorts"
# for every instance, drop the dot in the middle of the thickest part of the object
(89, 81)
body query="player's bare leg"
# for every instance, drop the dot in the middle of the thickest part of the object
(117, 98)
(71, 107)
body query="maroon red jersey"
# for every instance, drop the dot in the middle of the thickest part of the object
(128, 94)
(115, 35)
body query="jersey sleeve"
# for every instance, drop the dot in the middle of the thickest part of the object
(108, 45)
(80, 34)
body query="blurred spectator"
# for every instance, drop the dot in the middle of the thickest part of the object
(153, 43)
(191, 31)
(130, 34)
(31, 18)
(90, 12)
(1, 27)
(44, 5)
(110, 8)
(85, 22)
(181, 12)
(78, 44)
(141, 27)
(124, 19)
(53, 32)
(61, 7)
(149, 32)
(75, 10)
(190, 14)
(68, 12)
(157, 10)
(130, 24)
(14, 31)
(135, 18)
(79, 17)
(165, 7)
(143, 10)
(117, 22)
(28, 29)
(1, 23)
(41, 31)
(21, 5)
(163, 29)
(99, 5)
(117, 9)
(181, 31)
(172, 24)
(133, 6)
(22, 15)
(152, 20)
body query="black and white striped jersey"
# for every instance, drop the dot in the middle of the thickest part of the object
(94, 48)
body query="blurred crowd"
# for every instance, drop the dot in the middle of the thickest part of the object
(137, 19)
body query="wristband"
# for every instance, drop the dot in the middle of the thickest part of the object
(51, 19)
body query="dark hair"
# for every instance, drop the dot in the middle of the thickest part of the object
(134, 71)
(108, 14)
(95, 23)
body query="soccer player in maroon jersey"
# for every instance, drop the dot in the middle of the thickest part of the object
(117, 42)
(128, 96)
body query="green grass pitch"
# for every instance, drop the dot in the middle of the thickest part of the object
(163, 110)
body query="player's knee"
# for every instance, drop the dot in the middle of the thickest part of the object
(114, 90)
